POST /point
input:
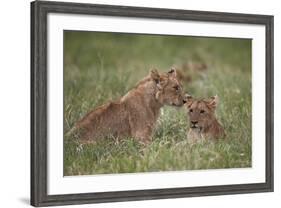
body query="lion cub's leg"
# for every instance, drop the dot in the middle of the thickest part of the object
(142, 132)
(143, 138)
(141, 129)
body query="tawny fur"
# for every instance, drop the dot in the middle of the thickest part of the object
(136, 113)
(202, 118)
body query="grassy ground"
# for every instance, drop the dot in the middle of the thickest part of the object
(101, 66)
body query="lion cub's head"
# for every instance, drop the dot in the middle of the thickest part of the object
(169, 89)
(201, 112)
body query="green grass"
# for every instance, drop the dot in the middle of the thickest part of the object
(101, 66)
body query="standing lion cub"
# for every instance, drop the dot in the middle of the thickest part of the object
(203, 122)
(135, 114)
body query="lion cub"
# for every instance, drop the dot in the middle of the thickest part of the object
(203, 122)
(135, 114)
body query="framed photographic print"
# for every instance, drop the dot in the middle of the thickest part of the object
(131, 103)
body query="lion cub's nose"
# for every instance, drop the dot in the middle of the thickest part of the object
(194, 122)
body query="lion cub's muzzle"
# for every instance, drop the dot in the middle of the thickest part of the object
(177, 104)
(194, 124)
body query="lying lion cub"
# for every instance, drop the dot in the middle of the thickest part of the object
(203, 122)
(136, 113)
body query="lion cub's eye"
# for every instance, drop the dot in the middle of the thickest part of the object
(176, 87)
(202, 111)
(191, 110)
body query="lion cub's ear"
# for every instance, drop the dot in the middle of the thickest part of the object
(213, 102)
(154, 74)
(173, 72)
(160, 80)
(188, 99)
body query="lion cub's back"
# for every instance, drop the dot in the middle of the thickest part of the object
(110, 119)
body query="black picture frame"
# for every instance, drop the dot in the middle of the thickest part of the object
(39, 12)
